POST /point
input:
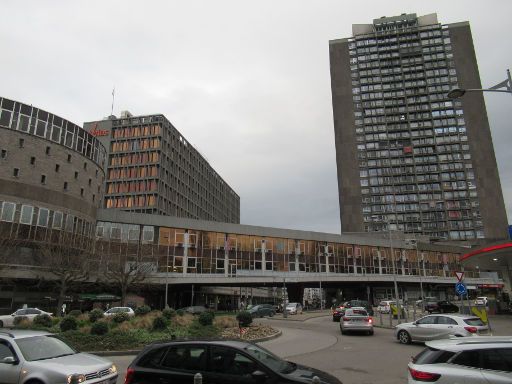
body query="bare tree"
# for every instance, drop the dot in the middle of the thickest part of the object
(126, 272)
(64, 267)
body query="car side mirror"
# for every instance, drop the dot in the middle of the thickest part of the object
(259, 376)
(9, 360)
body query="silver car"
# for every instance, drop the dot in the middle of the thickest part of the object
(441, 326)
(356, 319)
(468, 360)
(29, 313)
(40, 357)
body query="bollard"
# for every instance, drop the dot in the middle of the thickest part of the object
(316, 380)
(380, 315)
(414, 313)
(198, 378)
(390, 318)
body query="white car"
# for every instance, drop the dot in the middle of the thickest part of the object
(29, 313)
(356, 319)
(442, 326)
(468, 360)
(294, 308)
(114, 310)
(385, 306)
(481, 301)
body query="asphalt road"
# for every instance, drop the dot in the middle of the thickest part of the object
(354, 359)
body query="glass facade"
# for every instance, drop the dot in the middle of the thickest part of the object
(415, 167)
(188, 251)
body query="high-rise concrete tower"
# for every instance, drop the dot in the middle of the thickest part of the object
(408, 157)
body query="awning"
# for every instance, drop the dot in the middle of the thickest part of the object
(99, 297)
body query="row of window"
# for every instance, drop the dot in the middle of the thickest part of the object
(131, 201)
(128, 132)
(135, 158)
(135, 145)
(132, 186)
(34, 121)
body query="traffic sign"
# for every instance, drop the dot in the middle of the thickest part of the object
(459, 275)
(460, 288)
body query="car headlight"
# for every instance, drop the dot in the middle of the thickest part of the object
(76, 378)
(113, 369)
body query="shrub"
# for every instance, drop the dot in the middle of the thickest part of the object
(95, 314)
(75, 313)
(99, 328)
(68, 323)
(180, 312)
(244, 318)
(206, 318)
(169, 313)
(197, 330)
(120, 317)
(225, 322)
(21, 321)
(143, 310)
(43, 321)
(160, 323)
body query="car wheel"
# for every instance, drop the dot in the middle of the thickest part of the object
(370, 333)
(272, 314)
(404, 337)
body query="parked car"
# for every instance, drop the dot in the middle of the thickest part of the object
(434, 327)
(360, 303)
(428, 299)
(385, 306)
(115, 310)
(294, 308)
(481, 301)
(262, 310)
(482, 360)
(40, 357)
(441, 307)
(356, 319)
(194, 309)
(338, 311)
(223, 361)
(29, 313)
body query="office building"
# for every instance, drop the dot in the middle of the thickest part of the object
(408, 157)
(153, 169)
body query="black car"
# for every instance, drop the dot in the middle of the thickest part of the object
(219, 362)
(262, 310)
(338, 311)
(441, 307)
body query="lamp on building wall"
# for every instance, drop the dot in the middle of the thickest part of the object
(507, 84)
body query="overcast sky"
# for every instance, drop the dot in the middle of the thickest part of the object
(247, 83)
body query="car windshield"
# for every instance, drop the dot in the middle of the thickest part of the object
(43, 347)
(269, 359)
(356, 312)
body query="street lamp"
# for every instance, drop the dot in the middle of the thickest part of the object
(507, 84)
(420, 263)
(394, 266)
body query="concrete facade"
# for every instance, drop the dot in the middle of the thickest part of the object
(409, 158)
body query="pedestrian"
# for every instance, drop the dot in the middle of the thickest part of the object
(63, 310)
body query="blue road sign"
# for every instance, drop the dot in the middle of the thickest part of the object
(460, 288)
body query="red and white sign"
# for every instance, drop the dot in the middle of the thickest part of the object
(459, 275)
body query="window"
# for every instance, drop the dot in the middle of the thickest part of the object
(26, 214)
(16, 172)
(187, 357)
(69, 158)
(57, 220)
(47, 150)
(69, 223)
(427, 320)
(65, 185)
(57, 167)
(467, 359)
(497, 359)
(8, 210)
(76, 175)
(231, 362)
(43, 179)
(42, 219)
(5, 350)
(4, 153)
(90, 181)
(32, 160)
(22, 142)
(85, 166)
(81, 192)
(445, 320)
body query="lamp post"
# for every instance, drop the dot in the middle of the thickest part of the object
(167, 280)
(420, 263)
(507, 84)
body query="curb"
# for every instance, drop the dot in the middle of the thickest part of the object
(136, 351)
(288, 318)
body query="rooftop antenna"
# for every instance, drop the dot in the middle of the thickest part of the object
(113, 94)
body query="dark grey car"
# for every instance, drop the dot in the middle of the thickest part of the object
(262, 310)
(218, 362)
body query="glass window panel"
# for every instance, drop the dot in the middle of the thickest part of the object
(57, 220)
(26, 214)
(42, 219)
